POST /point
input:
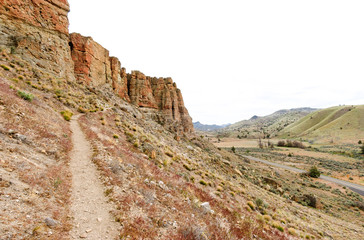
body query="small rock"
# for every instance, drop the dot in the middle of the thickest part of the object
(206, 207)
(99, 219)
(20, 137)
(88, 230)
(50, 222)
(83, 235)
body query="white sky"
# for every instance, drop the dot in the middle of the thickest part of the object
(233, 59)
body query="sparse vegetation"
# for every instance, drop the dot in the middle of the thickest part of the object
(26, 96)
(67, 115)
(6, 68)
(289, 143)
(314, 172)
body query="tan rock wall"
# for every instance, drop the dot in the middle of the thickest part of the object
(37, 30)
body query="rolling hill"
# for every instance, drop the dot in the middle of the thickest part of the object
(267, 126)
(207, 127)
(339, 124)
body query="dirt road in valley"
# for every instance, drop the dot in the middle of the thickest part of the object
(90, 209)
(354, 187)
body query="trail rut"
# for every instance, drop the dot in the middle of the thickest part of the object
(90, 209)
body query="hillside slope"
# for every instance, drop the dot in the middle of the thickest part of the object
(339, 124)
(266, 126)
(208, 127)
(161, 180)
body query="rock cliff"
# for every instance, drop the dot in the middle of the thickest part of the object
(157, 97)
(37, 31)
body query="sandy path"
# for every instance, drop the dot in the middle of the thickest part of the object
(89, 205)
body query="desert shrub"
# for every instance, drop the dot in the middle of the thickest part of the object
(233, 149)
(314, 172)
(26, 96)
(259, 202)
(67, 115)
(362, 149)
(202, 182)
(278, 226)
(289, 143)
(292, 231)
(297, 144)
(6, 68)
(359, 142)
(251, 205)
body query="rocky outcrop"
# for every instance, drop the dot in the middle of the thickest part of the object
(119, 79)
(37, 30)
(170, 102)
(158, 97)
(91, 60)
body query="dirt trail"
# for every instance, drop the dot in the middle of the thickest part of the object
(90, 209)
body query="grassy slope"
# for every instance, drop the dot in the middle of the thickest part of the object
(270, 124)
(342, 123)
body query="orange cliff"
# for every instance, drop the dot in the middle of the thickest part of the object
(158, 97)
(37, 31)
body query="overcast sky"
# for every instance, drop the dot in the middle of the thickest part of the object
(233, 59)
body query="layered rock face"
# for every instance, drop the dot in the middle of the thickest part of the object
(158, 97)
(38, 31)
(91, 60)
(119, 79)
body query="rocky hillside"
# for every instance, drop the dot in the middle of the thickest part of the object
(266, 126)
(37, 31)
(161, 180)
(337, 124)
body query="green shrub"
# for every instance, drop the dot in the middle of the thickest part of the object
(6, 68)
(202, 182)
(67, 115)
(233, 149)
(362, 149)
(314, 172)
(251, 205)
(259, 202)
(26, 96)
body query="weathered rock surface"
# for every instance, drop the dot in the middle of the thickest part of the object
(157, 97)
(91, 60)
(119, 79)
(38, 31)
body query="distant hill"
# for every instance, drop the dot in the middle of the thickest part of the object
(340, 124)
(266, 126)
(205, 127)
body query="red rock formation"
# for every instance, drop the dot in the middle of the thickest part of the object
(91, 60)
(49, 14)
(119, 79)
(140, 90)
